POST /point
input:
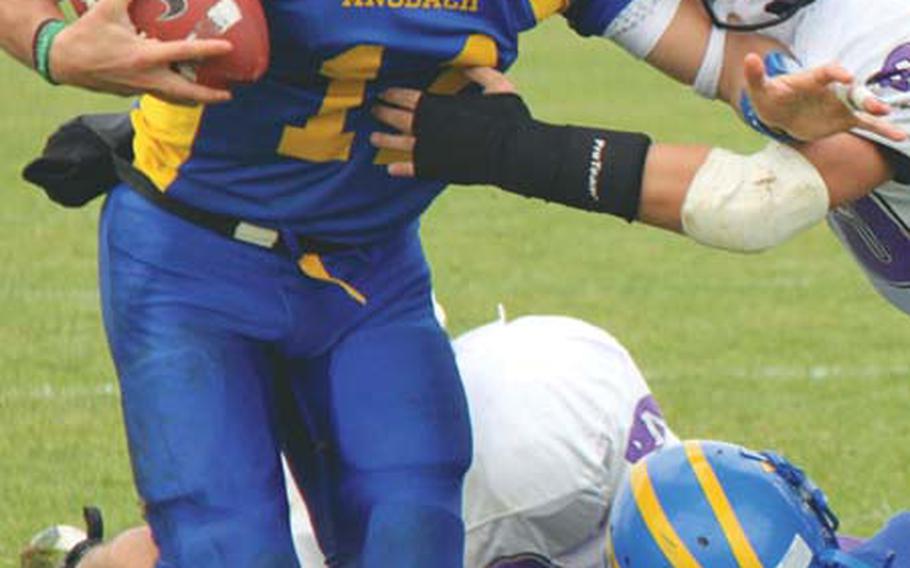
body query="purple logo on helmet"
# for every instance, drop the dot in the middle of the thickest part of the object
(649, 430)
(895, 74)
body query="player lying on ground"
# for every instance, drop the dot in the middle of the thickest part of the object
(743, 203)
(560, 413)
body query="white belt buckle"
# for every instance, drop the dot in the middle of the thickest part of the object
(256, 235)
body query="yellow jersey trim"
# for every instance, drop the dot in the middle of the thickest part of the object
(164, 138)
(543, 9)
(311, 264)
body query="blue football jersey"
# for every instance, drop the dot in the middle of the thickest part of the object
(292, 151)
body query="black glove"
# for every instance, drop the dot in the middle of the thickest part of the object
(493, 139)
(459, 137)
(76, 165)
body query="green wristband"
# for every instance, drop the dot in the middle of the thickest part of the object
(44, 39)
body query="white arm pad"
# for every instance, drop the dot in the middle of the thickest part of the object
(641, 24)
(751, 203)
(712, 63)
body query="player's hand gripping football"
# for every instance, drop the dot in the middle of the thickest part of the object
(815, 103)
(102, 51)
(401, 104)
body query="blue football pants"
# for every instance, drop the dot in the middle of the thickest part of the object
(227, 354)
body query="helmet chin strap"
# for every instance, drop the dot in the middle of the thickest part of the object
(810, 493)
(832, 557)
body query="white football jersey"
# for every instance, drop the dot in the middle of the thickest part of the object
(871, 39)
(559, 412)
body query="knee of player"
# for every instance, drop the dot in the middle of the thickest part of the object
(753, 203)
(412, 534)
(250, 533)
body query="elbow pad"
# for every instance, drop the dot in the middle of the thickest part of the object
(752, 203)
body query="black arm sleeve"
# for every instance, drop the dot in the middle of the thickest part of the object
(477, 139)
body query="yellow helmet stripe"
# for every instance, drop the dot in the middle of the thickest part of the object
(662, 531)
(720, 504)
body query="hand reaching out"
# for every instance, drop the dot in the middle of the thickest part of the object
(815, 103)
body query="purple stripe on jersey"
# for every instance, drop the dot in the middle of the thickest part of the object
(878, 239)
(648, 431)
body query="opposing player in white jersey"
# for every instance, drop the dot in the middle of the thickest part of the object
(559, 412)
(860, 180)
(873, 42)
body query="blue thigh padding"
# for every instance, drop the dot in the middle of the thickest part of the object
(205, 457)
(204, 453)
(197, 401)
(391, 424)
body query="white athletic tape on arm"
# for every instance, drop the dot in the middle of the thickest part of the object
(640, 25)
(751, 203)
(712, 64)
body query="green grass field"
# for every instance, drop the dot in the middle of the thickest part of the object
(790, 349)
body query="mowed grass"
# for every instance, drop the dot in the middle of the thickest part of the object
(790, 349)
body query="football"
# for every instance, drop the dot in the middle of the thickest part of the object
(242, 22)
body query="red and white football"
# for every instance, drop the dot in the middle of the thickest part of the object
(242, 22)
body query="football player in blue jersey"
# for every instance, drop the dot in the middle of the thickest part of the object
(274, 269)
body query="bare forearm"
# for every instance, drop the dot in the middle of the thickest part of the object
(669, 170)
(848, 168)
(851, 166)
(18, 21)
(738, 46)
(131, 549)
(680, 49)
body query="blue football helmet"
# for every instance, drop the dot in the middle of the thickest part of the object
(720, 505)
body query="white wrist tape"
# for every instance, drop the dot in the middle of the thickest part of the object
(751, 203)
(712, 64)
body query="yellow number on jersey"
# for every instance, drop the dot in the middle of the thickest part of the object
(478, 51)
(323, 139)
